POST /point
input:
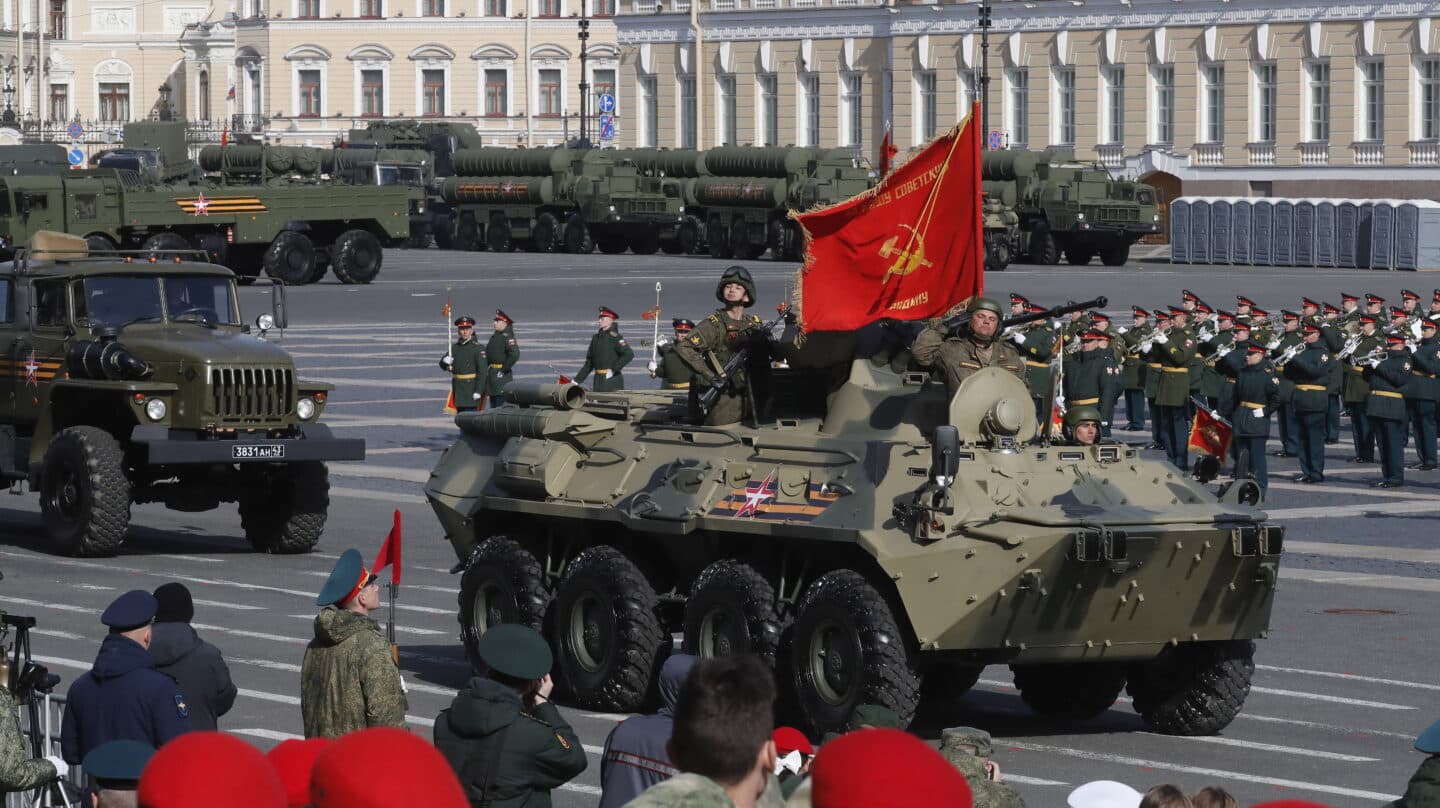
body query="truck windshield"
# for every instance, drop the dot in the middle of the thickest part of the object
(397, 175)
(116, 300)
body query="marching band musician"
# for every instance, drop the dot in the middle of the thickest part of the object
(1134, 367)
(1421, 393)
(1281, 347)
(1257, 392)
(1036, 344)
(1355, 390)
(1152, 376)
(1173, 349)
(1385, 407)
(1310, 370)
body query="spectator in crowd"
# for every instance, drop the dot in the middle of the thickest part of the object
(793, 756)
(721, 737)
(969, 749)
(884, 768)
(214, 770)
(635, 756)
(194, 664)
(502, 736)
(384, 767)
(115, 768)
(1165, 796)
(1104, 794)
(293, 761)
(1423, 791)
(1213, 797)
(123, 696)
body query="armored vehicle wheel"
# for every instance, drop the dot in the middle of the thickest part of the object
(290, 258)
(948, 682)
(689, 235)
(418, 240)
(544, 234)
(84, 493)
(1043, 249)
(99, 242)
(1000, 257)
(502, 583)
(1115, 255)
(322, 265)
(1078, 257)
(645, 243)
(1070, 692)
(467, 233)
(358, 256)
(166, 242)
(497, 233)
(283, 508)
(718, 238)
(672, 246)
(847, 650)
(731, 610)
(1193, 689)
(740, 245)
(608, 639)
(577, 236)
(612, 244)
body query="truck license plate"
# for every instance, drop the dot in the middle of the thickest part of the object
(266, 451)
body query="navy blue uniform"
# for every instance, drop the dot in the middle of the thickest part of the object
(1421, 393)
(1386, 409)
(122, 698)
(1310, 372)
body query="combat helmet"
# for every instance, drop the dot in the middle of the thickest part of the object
(985, 304)
(740, 275)
(1075, 415)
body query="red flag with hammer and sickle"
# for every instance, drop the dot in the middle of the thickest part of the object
(908, 249)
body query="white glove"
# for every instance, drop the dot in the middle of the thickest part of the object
(791, 762)
(61, 767)
(404, 688)
(449, 360)
(653, 366)
(1162, 339)
(1259, 412)
(1018, 338)
(476, 396)
(606, 373)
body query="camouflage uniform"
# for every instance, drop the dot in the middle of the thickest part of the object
(684, 790)
(959, 357)
(18, 772)
(348, 680)
(967, 749)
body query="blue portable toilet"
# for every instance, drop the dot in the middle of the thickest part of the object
(1262, 232)
(1200, 230)
(1240, 231)
(1180, 231)
(1283, 246)
(1347, 226)
(1304, 234)
(1221, 229)
(1364, 232)
(1382, 234)
(1325, 238)
(1417, 234)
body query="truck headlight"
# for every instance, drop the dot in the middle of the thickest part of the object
(612, 208)
(265, 322)
(155, 409)
(1080, 217)
(305, 408)
(1155, 217)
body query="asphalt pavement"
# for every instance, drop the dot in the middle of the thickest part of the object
(1345, 680)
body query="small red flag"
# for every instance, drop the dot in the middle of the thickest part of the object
(445, 312)
(450, 404)
(1210, 433)
(887, 151)
(225, 135)
(390, 553)
(650, 314)
(565, 379)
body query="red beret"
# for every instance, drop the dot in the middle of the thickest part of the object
(293, 761)
(789, 739)
(383, 767)
(218, 770)
(884, 768)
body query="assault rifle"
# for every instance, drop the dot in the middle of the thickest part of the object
(955, 323)
(734, 367)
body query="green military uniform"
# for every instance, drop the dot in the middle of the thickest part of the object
(1257, 393)
(672, 371)
(1172, 393)
(1212, 382)
(1385, 408)
(464, 363)
(1085, 376)
(1355, 391)
(1133, 371)
(1309, 371)
(18, 771)
(1289, 432)
(608, 354)
(959, 356)
(967, 749)
(684, 790)
(1036, 346)
(501, 354)
(715, 341)
(1423, 790)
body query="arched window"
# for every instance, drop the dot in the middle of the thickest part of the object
(204, 90)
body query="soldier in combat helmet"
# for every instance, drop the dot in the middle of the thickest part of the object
(961, 355)
(718, 337)
(968, 750)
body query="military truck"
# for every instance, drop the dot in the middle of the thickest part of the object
(867, 535)
(556, 199)
(33, 158)
(429, 143)
(132, 379)
(1002, 234)
(1069, 207)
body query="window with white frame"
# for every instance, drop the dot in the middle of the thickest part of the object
(549, 100)
(1430, 98)
(372, 93)
(1372, 100)
(725, 96)
(649, 134)
(308, 82)
(1115, 104)
(496, 8)
(810, 88)
(497, 92)
(852, 108)
(1164, 104)
(433, 8)
(1317, 97)
(1018, 112)
(1212, 79)
(929, 113)
(308, 9)
(549, 8)
(432, 92)
(1267, 102)
(689, 115)
(602, 8)
(769, 128)
(1065, 105)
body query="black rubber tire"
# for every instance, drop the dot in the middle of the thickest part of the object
(1078, 257)
(845, 605)
(740, 244)
(672, 246)
(513, 583)
(731, 610)
(578, 240)
(418, 240)
(444, 235)
(794, 241)
(544, 236)
(948, 682)
(1115, 255)
(167, 242)
(998, 254)
(718, 238)
(99, 242)
(283, 509)
(358, 256)
(84, 493)
(775, 239)
(322, 265)
(1070, 692)
(621, 643)
(467, 233)
(1043, 249)
(290, 258)
(497, 233)
(689, 235)
(645, 243)
(611, 244)
(1195, 688)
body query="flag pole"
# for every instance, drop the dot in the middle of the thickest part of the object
(390, 626)
(655, 337)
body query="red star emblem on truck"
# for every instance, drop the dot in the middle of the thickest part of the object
(31, 368)
(202, 205)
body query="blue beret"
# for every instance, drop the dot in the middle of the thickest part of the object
(342, 579)
(1429, 740)
(118, 761)
(515, 650)
(130, 611)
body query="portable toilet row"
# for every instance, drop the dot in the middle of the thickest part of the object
(1369, 233)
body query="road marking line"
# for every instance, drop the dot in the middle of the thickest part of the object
(1324, 548)
(94, 587)
(223, 604)
(1332, 511)
(365, 494)
(64, 635)
(258, 635)
(201, 559)
(59, 607)
(1349, 676)
(1011, 777)
(398, 629)
(267, 734)
(1296, 694)
(1270, 747)
(1402, 583)
(348, 469)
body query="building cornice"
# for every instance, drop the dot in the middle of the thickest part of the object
(600, 25)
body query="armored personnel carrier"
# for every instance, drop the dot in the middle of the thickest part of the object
(866, 536)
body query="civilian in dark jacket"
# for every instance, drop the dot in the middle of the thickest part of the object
(635, 756)
(194, 664)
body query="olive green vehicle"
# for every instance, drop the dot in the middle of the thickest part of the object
(868, 538)
(1069, 207)
(1002, 234)
(133, 379)
(33, 158)
(428, 143)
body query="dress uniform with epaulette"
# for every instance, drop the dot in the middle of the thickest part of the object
(671, 370)
(1134, 367)
(1036, 345)
(1350, 312)
(1260, 326)
(463, 363)
(1257, 392)
(501, 354)
(1309, 371)
(1289, 432)
(1173, 352)
(1410, 302)
(1375, 307)
(1085, 372)
(1355, 388)
(1198, 315)
(1421, 395)
(1152, 378)
(1212, 382)
(1386, 409)
(609, 353)
(1334, 336)
(718, 337)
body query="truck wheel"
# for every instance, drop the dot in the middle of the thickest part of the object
(672, 247)
(358, 256)
(290, 258)
(611, 244)
(731, 610)
(418, 239)
(100, 243)
(322, 265)
(718, 238)
(947, 682)
(577, 236)
(84, 493)
(740, 245)
(544, 232)
(645, 243)
(1195, 688)
(847, 650)
(1115, 255)
(1043, 249)
(444, 240)
(775, 239)
(502, 583)
(467, 233)
(1070, 692)
(166, 242)
(1078, 257)
(283, 511)
(607, 636)
(497, 233)
(689, 236)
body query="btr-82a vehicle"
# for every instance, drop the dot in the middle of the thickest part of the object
(867, 535)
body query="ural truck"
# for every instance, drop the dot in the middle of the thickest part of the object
(1069, 207)
(133, 379)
